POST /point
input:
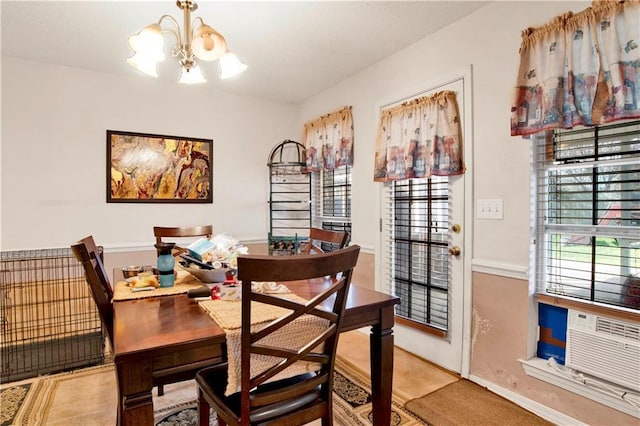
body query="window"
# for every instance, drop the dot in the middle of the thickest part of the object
(332, 199)
(587, 196)
(417, 248)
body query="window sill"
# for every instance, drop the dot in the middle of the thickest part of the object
(589, 307)
(425, 328)
(588, 387)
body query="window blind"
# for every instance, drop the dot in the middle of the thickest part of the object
(332, 200)
(416, 261)
(587, 196)
(336, 192)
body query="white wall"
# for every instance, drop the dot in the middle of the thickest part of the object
(489, 40)
(54, 122)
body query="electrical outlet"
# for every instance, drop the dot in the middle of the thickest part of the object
(489, 208)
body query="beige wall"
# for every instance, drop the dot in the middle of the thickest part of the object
(500, 318)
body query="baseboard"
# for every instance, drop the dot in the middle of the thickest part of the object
(595, 389)
(538, 409)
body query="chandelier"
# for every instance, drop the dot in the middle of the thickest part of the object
(203, 43)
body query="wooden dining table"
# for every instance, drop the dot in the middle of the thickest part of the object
(159, 335)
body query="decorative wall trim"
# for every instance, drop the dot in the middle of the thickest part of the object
(365, 248)
(541, 410)
(124, 248)
(539, 368)
(133, 247)
(501, 269)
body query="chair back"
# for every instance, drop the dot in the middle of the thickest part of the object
(87, 253)
(332, 272)
(161, 232)
(317, 236)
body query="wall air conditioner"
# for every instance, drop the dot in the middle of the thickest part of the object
(605, 348)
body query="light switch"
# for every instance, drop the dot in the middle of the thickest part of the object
(489, 208)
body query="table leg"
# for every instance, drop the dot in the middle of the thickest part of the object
(135, 400)
(381, 347)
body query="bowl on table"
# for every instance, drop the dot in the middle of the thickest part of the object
(206, 275)
(132, 271)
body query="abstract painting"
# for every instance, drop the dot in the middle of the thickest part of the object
(148, 168)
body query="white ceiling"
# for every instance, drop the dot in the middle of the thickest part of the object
(293, 49)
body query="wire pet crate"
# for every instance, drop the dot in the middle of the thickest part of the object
(48, 320)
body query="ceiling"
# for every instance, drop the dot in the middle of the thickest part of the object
(293, 49)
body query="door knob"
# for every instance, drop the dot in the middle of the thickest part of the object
(455, 228)
(454, 251)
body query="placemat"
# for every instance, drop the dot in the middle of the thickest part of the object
(184, 282)
(228, 315)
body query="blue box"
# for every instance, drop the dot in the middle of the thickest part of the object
(200, 247)
(546, 351)
(552, 339)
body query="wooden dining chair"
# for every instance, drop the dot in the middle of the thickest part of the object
(318, 236)
(161, 232)
(88, 254)
(264, 398)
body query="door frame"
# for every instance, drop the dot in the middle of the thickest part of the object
(466, 75)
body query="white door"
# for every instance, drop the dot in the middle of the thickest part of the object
(422, 253)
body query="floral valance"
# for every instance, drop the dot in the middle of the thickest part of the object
(328, 141)
(580, 69)
(420, 138)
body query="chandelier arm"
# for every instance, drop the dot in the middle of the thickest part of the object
(175, 32)
(197, 18)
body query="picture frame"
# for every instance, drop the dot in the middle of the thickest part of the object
(151, 168)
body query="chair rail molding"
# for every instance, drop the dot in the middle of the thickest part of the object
(501, 269)
(148, 246)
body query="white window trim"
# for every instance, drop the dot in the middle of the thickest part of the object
(549, 371)
(317, 207)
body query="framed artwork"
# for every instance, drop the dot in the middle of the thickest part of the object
(147, 168)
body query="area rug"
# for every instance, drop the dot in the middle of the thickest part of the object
(80, 397)
(466, 403)
(352, 399)
(351, 403)
(88, 397)
(11, 400)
